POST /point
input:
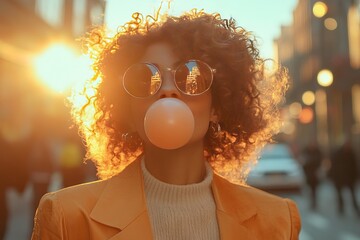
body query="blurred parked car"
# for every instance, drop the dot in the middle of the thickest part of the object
(277, 170)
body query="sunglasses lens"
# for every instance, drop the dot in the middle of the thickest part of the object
(193, 77)
(142, 80)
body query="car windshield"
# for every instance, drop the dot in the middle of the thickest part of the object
(275, 151)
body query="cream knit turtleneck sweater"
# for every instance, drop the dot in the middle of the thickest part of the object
(181, 211)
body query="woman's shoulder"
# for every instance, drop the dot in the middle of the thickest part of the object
(243, 188)
(263, 213)
(88, 188)
(61, 210)
(85, 195)
(264, 202)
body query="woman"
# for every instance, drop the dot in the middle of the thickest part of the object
(163, 179)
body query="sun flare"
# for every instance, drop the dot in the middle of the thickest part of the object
(59, 68)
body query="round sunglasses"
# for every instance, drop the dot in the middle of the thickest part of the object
(193, 77)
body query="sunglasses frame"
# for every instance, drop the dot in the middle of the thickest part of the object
(173, 71)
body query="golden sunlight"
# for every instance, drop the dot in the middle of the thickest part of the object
(60, 68)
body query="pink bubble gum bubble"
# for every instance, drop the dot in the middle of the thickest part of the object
(169, 123)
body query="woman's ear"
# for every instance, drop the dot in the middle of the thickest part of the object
(130, 126)
(214, 116)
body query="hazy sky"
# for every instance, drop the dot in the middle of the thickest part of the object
(262, 17)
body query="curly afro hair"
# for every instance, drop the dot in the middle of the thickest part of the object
(245, 99)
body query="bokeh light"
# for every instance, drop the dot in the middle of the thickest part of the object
(308, 98)
(330, 24)
(295, 109)
(288, 128)
(325, 78)
(320, 9)
(306, 115)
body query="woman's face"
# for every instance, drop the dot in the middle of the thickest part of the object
(162, 55)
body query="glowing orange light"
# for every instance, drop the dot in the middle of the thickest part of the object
(59, 67)
(306, 115)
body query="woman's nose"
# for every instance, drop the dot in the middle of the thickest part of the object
(168, 87)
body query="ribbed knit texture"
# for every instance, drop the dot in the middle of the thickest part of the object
(181, 212)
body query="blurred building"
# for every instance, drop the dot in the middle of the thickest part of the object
(27, 28)
(323, 35)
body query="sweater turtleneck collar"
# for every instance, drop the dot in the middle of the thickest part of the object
(171, 193)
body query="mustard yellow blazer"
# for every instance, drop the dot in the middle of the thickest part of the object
(116, 209)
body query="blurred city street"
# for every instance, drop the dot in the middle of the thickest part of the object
(325, 223)
(321, 224)
(43, 63)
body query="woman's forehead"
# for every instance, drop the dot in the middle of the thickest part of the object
(161, 54)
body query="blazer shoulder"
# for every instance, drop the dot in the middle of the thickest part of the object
(270, 205)
(270, 209)
(89, 188)
(71, 198)
(262, 213)
(257, 196)
(58, 211)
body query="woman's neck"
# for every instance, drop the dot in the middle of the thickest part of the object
(180, 167)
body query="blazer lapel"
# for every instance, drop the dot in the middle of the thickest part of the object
(122, 205)
(233, 210)
(138, 229)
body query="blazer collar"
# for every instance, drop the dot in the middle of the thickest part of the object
(122, 205)
(234, 209)
(232, 199)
